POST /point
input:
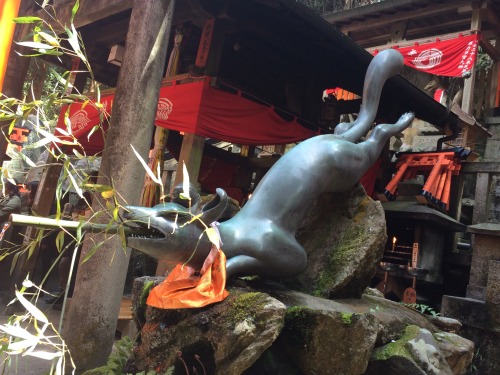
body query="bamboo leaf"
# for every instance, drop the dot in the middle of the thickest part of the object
(60, 241)
(51, 137)
(78, 189)
(146, 167)
(14, 262)
(97, 187)
(27, 19)
(107, 194)
(77, 154)
(91, 252)
(26, 159)
(19, 346)
(49, 38)
(92, 131)
(16, 331)
(31, 248)
(45, 355)
(213, 236)
(110, 206)
(74, 10)
(36, 45)
(185, 182)
(59, 366)
(63, 132)
(80, 97)
(115, 213)
(123, 237)
(67, 84)
(32, 309)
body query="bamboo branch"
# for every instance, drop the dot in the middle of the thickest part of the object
(45, 223)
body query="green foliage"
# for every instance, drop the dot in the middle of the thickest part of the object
(422, 309)
(347, 318)
(118, 358)
(473, 368)
(483, 61)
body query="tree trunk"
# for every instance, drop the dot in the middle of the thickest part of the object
(93, 312)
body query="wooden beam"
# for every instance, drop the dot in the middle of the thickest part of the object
(398, 30)
(89, 11)
(431, 10)
(366, 10)
(115, 33)
(411, 35)
(480, 167)
(491, 50)
(492, 18)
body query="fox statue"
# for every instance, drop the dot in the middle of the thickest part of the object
(260, 238)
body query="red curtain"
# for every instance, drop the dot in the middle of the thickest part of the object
(452, 57)
(197, 107)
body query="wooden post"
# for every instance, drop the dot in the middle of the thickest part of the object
(494, 82)
(208, 59)
(468, 96)
(482, 201)
(191, 154)
(94, 308)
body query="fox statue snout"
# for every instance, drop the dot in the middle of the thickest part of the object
(171, 232)
(260, 238)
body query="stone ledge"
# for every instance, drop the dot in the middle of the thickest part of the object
(472, 312)
(492, 229)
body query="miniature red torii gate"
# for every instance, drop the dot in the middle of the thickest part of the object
(437, 169)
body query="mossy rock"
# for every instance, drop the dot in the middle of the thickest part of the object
(344, 235)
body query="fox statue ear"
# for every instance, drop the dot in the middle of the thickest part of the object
(214, 209)
(193, 193)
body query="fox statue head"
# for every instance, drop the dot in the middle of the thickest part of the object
(173, 232)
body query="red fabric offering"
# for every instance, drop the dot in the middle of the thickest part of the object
(183, 289)
(452, 57)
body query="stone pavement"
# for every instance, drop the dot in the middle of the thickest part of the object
(28, 365)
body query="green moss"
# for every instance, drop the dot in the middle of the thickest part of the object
(299, 321)
(347, 318)
(245, 306)
(398, 347)
(342, 255)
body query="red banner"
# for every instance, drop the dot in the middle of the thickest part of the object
(452, 57)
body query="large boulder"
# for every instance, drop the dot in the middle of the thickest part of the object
(225, 338)
(265, 328)
(344, 235)
(420, 352)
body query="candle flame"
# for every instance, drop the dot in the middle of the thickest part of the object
(393, 240)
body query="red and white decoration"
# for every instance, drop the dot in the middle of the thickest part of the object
(451, 57)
